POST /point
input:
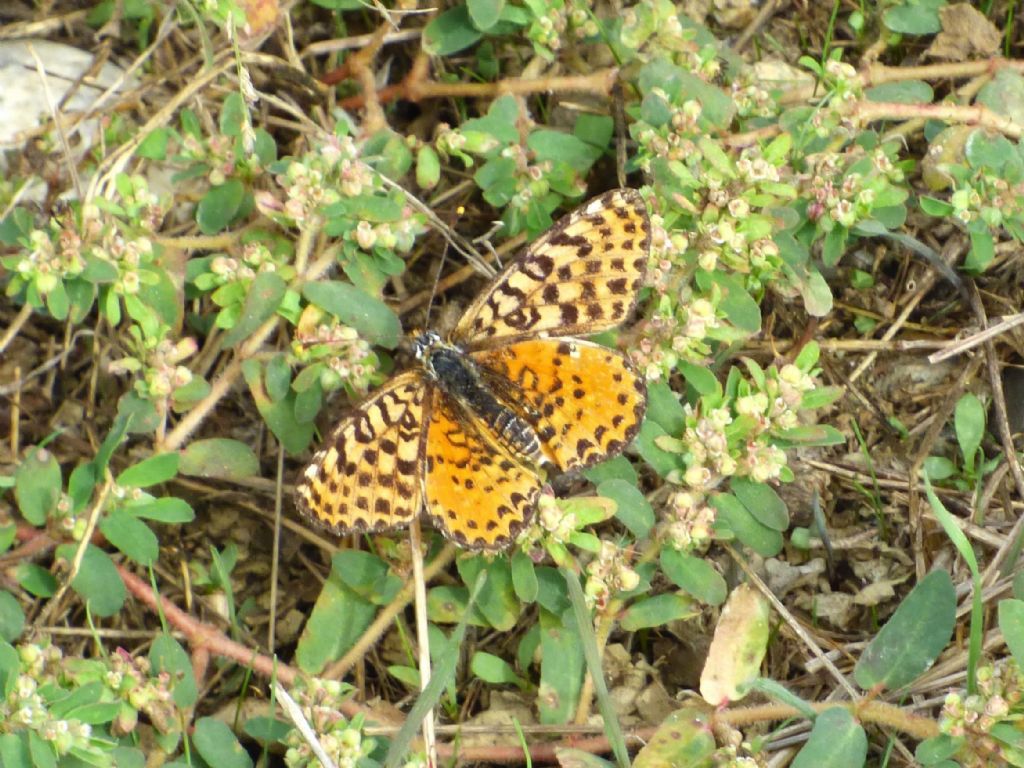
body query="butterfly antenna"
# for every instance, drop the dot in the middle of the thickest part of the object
(433, 288)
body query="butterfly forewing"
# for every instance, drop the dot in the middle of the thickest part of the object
(580, 277)
(369, 476)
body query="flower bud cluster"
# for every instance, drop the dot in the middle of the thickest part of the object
(342, 740)
(653, 29)
(688, 520)
(160, 364)
(609, 573)
(348, 359)
(972, 717)
(122, 678)
(119, 234)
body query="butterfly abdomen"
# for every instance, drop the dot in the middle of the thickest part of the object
(458, 376)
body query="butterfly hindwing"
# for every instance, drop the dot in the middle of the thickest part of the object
(584, 401)
(477, 492)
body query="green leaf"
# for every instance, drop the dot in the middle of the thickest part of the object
(338, 619)
(939, 467)
(131, 536)
(581, 617)
(836, 741)
(499, 122)
(938, 751)
(988, 151)
(278, 377)
(659, 460)
(450, 32)
(969, 422)
(36, 580)
(42, 752)
(219, 457)
(655, 110)
(160, 296)
(1004, 94)
(695, 575)
(187, 395)
(10, 670)
(738, 305)
(702, 379)
(762, 502)
(12, 618)
(595, 129)
(217, 745)
(982, 253)
(7, 536)
(561, 668)
(167, 655)
(218, 207)
(914, 17)
(232, 114)
(485, 13)
(154, 145)
(367, 575)
(618, 468)
(735, 517)
(633, 509)
(664, 408)
(372, 318)
(279, 416)
(913, 637)
(97, 582)
(37, 485)
(555, 146)
(498, 603)
(152, 471)
(14, 746)
(81, 484)
(58, 302)
(684, 739)
(934, 207)
(658, 611)
(85, 693)
(266, 730)
(904, 92)
(495, 670)
(168, 509)
(1011, 623)
(524, 577)
(96, 713)
(261, 302)
(446, 604)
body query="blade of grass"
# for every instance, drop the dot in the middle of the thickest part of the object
(443, 675)
(963, 546)
(585, 623)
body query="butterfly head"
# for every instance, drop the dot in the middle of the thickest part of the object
(425, 343)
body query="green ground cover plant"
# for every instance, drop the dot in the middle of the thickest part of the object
(810, 548)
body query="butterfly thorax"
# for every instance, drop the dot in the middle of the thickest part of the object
(460, 378)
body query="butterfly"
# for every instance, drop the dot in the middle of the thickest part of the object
(469, 434)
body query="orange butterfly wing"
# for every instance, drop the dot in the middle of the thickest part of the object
(411, 443)
(477, 492)
(583, 400)
(579, 277)
(369, 476)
